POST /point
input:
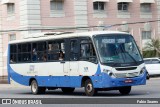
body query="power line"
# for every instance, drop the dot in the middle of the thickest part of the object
(72, 28)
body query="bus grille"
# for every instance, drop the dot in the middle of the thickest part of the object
(128, 68)
(125, 75)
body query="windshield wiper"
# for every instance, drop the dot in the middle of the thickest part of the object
(118, 50)
(123, 51)
(131, 57)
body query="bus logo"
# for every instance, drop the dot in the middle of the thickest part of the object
(31, 67)
(6, 101)
(85, 69)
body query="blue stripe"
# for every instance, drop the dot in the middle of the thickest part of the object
(99, 80)
(103, 81)
(8, 60)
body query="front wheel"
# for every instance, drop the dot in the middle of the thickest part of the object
(89, 89)
(148, 76)
(35, 89)
(125, 90)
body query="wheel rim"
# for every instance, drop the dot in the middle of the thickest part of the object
(89, 87)
(34, 87)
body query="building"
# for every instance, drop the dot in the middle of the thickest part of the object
(54, 14)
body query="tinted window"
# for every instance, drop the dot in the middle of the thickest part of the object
(13, 53)
(39, 51)
(87, 50)
(56, 50)
(74, 50)
(155, 61)
(147, 61)
(24, 52)
(13, 49)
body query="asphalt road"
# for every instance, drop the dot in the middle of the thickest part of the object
(150, 90)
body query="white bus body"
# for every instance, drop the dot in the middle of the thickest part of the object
(101, 60)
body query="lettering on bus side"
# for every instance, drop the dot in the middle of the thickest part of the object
(31, 69)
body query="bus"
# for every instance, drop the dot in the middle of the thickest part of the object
(95, 61)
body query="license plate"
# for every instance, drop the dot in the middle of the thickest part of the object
(128, 81)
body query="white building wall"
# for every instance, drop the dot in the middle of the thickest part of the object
(158, 8)
(80, 10)
(29, 16)
(1, 48)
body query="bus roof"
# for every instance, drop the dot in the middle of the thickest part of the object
(59, 35)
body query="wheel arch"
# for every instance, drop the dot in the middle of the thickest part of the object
(30, 80)
(84, 79)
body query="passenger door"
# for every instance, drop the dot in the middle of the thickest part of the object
(73, 57)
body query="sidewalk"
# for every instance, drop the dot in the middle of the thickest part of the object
(3, 80)
(12, 86)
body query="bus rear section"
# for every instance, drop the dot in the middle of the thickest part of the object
(99, 61)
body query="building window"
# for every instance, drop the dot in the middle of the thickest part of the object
(10, 8)
(146, 7)
(56, 4)
(146, 35)
(12, 37)
(123, 6)
(99, 5)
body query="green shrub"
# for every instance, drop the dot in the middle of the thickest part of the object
(149, 54)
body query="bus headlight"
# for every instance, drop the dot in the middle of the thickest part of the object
(110, 73)
(142, 70)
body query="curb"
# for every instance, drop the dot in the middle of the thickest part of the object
(3, 80)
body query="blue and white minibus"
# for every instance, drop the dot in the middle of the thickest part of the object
(96, 60)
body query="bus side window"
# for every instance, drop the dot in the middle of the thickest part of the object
(56, 51)
(34, 52)
(13, 53)
(87, 51)
(74, 50)
(26, 52)
(41, 51)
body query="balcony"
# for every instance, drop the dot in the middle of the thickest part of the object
(146, 15)
(100, 14)
(57, 13)
(123, 14)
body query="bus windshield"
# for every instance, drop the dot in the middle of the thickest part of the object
(117, 49)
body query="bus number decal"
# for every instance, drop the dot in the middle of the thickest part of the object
(85, 69)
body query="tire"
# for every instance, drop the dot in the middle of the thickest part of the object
(89, 88)
(68, 90)
(148, 76)
(35, 89)
(125, 90)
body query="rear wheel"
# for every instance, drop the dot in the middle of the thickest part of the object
(89, 88)
(125, 90)
(35, 89)
(68, 90)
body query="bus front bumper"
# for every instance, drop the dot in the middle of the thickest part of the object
(105, 81)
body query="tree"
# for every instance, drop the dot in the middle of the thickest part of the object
(153, 46)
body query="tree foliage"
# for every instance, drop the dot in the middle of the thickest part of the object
(152, 48)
